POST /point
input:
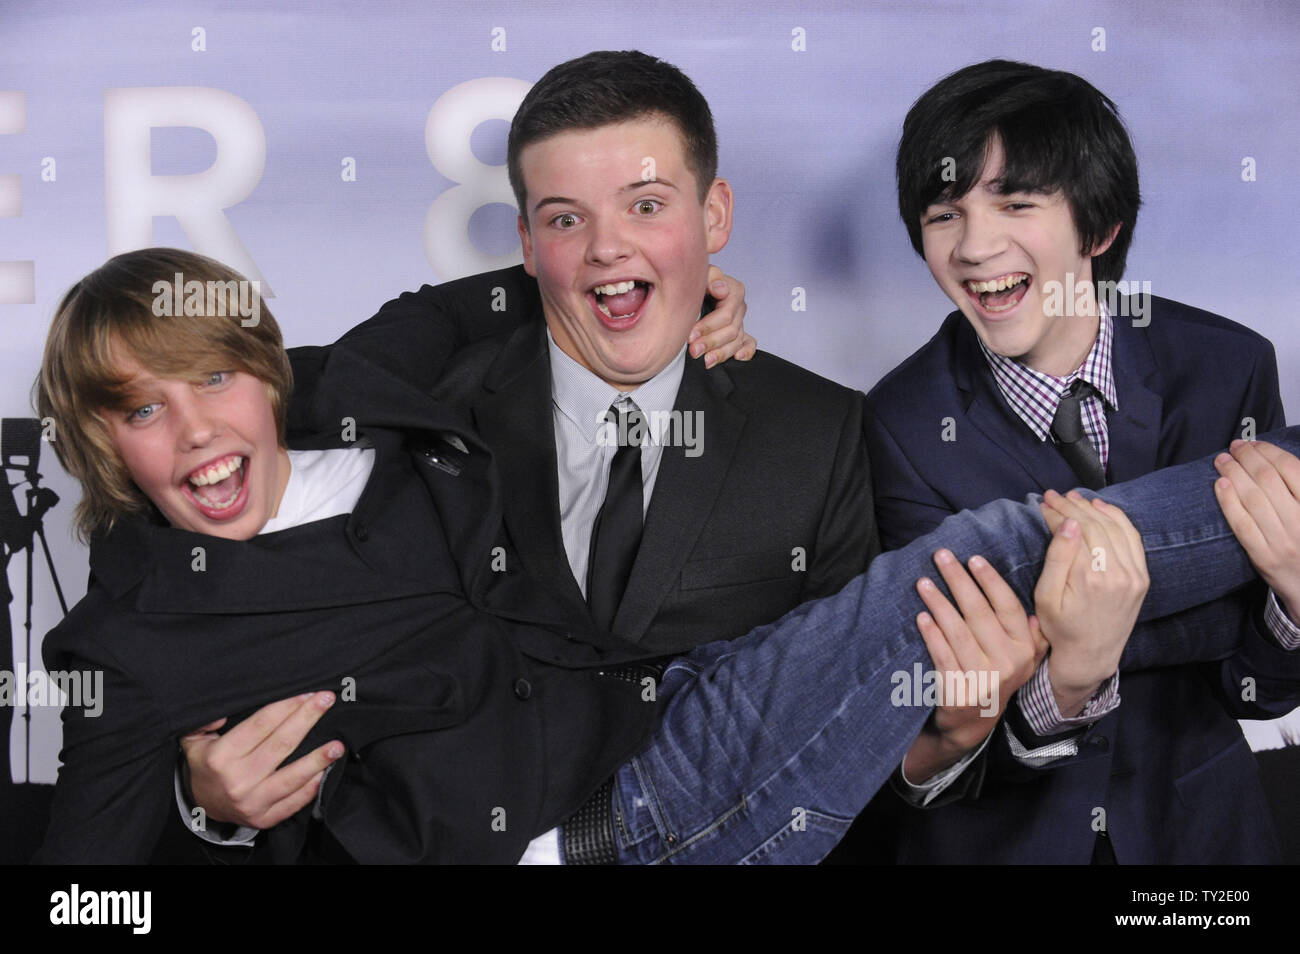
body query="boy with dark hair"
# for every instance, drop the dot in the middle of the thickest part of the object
(1018, 185)
(607, 87)
(613, 159)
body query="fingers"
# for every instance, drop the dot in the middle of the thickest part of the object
(237, 777)
(280, 723)
(966, 650)
(1006, 605)
(291, 803)
(1040, 643)
(205, 730)
(1264, 489)
(1067, 541)
(748, 348)
(721, 335)
(1128, 533)
(987, 632)
(988, 624)
(970, 598)
(1243, 525)
(941, 654)
(1105, 527)
(1257, 494)
(254, 730)
(295, 785)
(1054, 518)
(284, 739)
(1285, 464)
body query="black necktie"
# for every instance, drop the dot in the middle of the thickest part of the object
(616, 534)
(1067, 428)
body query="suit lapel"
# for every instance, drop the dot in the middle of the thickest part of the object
(1134, 428)
(514, 418)
(684, 494)
(989, 413)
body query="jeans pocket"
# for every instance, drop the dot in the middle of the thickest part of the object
(805, 839)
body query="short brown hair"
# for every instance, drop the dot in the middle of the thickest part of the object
(607, 87)
(127, 305)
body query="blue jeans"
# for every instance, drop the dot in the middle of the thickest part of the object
(772, 743)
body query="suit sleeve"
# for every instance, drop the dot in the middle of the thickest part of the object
(114, 792)
(906, 506)
(846, 536)
(415, 334)
(1262, 401)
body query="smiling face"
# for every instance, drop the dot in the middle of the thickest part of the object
(996, 255)
(205, 451)
(619, 242)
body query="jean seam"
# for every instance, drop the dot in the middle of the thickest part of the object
(704, 832)
(787, 830)
(653, 805)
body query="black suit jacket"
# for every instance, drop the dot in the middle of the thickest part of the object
(775, 511)
(470, 702)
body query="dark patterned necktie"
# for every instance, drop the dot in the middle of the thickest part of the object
(1076, 448)
(616, 533)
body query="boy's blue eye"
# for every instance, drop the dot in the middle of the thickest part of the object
(143, 413)
(216, 378)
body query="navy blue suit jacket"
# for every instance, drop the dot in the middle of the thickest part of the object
(1170, 766)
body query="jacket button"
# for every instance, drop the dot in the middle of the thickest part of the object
(523, 688)
(361, 533)
(1099, 742)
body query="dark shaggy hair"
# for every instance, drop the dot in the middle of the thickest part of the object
(1058, 133)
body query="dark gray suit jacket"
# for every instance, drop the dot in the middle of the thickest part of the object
(775, 511)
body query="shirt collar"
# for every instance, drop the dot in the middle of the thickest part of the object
(584, 398)
(1035, 395)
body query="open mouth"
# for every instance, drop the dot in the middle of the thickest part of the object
(219, 488)
(999, 294)
(619, 304)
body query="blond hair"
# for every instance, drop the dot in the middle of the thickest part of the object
(123, 308)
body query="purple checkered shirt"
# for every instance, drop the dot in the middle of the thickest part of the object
(1035, 396)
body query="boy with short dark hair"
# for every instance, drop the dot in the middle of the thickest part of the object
(1018, 185)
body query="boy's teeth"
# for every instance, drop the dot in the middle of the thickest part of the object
(605, 311)
(997, 284)
(218, 472)
(614, 288)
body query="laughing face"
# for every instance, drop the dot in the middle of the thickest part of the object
(996, 255)
(619, 242)
(204, 451)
